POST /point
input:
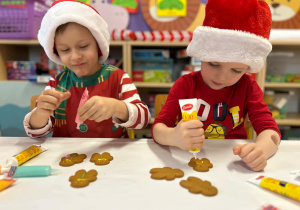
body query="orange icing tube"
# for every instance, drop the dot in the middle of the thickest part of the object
(84, 98)
(25, 155)
(189, 109)
(280, 187)
(5, 183)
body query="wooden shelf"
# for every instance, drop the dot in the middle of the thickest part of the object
(292, 119)
(282, 85)
(148, 44)
(286, 42)
(153, 85)
(19, 41)
(9, 47)
(36, 42)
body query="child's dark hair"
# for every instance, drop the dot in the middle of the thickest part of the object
(60, 29)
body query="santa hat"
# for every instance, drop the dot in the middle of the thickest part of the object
(234, 31)
(64, 11)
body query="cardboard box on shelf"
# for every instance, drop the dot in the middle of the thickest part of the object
(152, 70)
(20, 70)
(153, 64)
(161, 76)
(150, 54)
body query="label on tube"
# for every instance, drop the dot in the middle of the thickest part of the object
(25, 155)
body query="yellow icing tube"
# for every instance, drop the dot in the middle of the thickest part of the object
(189, 109)
(5, 183)
(278, 186)
(25, 155)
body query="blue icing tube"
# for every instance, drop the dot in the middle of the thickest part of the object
(29, 171)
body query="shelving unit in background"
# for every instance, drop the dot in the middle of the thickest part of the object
(20, 50)
(147, 88)
(284, 45)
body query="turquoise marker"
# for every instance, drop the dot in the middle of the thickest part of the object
(28, 171)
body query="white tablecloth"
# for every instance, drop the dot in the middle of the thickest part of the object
(125, 183)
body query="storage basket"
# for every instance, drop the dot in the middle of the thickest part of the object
(21, 19)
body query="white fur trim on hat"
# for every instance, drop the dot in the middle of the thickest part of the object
(72, 11)
(222, 45)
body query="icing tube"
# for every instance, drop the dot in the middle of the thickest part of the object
(188, 109)
(25, 155)
(28, 171)
(5, 183)
(84, 98)
(280, 187)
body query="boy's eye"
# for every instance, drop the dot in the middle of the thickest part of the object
(236, 71)
(83, 46)
(64, 50)
(213, 65)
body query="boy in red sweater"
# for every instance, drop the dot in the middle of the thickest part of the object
(74, 34)
(233, 41)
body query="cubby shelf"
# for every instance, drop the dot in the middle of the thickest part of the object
(19, 50)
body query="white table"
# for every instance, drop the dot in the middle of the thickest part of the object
(126, 184)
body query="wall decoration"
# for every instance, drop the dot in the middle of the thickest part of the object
(149, 10)
(85, 1)
(130, 5)
(171, 8)
(285, 13)
(15, 104)
(116, 17)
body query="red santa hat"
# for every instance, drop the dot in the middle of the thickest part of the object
(234, 31)
(64, 11)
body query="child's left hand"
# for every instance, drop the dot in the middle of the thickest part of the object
(251, 154)
(97, 108)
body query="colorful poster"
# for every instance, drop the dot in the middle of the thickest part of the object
(85, 1)
(130, 5)
(171, 8)
(285, 14)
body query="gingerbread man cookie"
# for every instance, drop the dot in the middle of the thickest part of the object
(71, 159)
(202, 165)
(166, 173)
(196, 185)
(83, 178)
(101, 159)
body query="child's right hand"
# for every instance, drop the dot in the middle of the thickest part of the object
(49, 100)
(189, 134)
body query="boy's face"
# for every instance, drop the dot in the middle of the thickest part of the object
(219, 75)
(78, 50)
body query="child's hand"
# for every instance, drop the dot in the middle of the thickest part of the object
(189, 134)
(97, 108)
(49, 100)
(252, 155)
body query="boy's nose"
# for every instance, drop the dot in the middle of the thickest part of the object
(220, 76)
(75, 55)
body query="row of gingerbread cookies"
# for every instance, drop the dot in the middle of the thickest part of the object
(97, 158)
(82, 178)
(193, 184)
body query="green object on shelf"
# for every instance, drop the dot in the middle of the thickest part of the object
(292, 78)
(274, 79)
